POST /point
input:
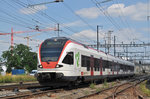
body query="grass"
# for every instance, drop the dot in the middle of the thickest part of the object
(86, 92)
(92, 85)
(144, 89)
(113, 84)
(105, 84)
(98, 89)
(16, 78)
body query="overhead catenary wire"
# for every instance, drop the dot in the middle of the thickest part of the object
(40, 22)
(125, 21)
(54, 20)
(14, 19)
(32, 18)
(84, 21)
(101, 9)
(49, 17)
(21, 24)
(70, 9)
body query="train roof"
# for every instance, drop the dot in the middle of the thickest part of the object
(109, 57)
(65, 39)
(58, 38)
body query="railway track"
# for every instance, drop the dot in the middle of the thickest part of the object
(21, 85)
(28, 94)
(112, 92)
(35, 92)
(79, 93)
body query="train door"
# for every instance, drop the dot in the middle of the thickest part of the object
(113, 67)
(101, 67)
(92, 65)
(118, 68)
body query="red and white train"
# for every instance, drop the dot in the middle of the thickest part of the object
(62, 60)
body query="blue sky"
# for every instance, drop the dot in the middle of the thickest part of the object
(77, 18)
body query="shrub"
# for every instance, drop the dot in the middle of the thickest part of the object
(105, 83)
(92, 85)
(16, 78)
(98, 89)
(113, 83)
(86, 92)
(144, 89)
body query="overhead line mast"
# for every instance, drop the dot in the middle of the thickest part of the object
(58, 29)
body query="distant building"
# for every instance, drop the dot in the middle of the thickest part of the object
(3, 68)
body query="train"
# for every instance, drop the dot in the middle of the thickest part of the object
(62, 60)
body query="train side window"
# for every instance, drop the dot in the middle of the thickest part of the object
(121, 67)
(96, 64)
(107, 64)
(104, 64)
(83, 63)
(69, 58)
(118, 66)
(132, 68)
(110, 65)
(88, 63)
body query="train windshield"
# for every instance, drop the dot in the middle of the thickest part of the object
(51, 50)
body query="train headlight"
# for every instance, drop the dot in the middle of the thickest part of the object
(58, 66)
(40, 66)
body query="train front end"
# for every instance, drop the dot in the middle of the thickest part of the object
(50, 69)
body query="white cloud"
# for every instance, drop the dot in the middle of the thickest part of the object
(127, 35)
(87, 35)
(91, 13)
(33, 9)
(135, 12)
(75, 23)
(124, 35)
(145, 29)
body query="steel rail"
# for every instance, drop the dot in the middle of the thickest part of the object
(129, 82)
(21, 85)
(117, 93)
(30, 93)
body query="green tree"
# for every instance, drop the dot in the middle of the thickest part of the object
(20, 57)
(0, 65)
(0, 59)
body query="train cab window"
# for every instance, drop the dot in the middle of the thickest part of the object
(69, 58)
